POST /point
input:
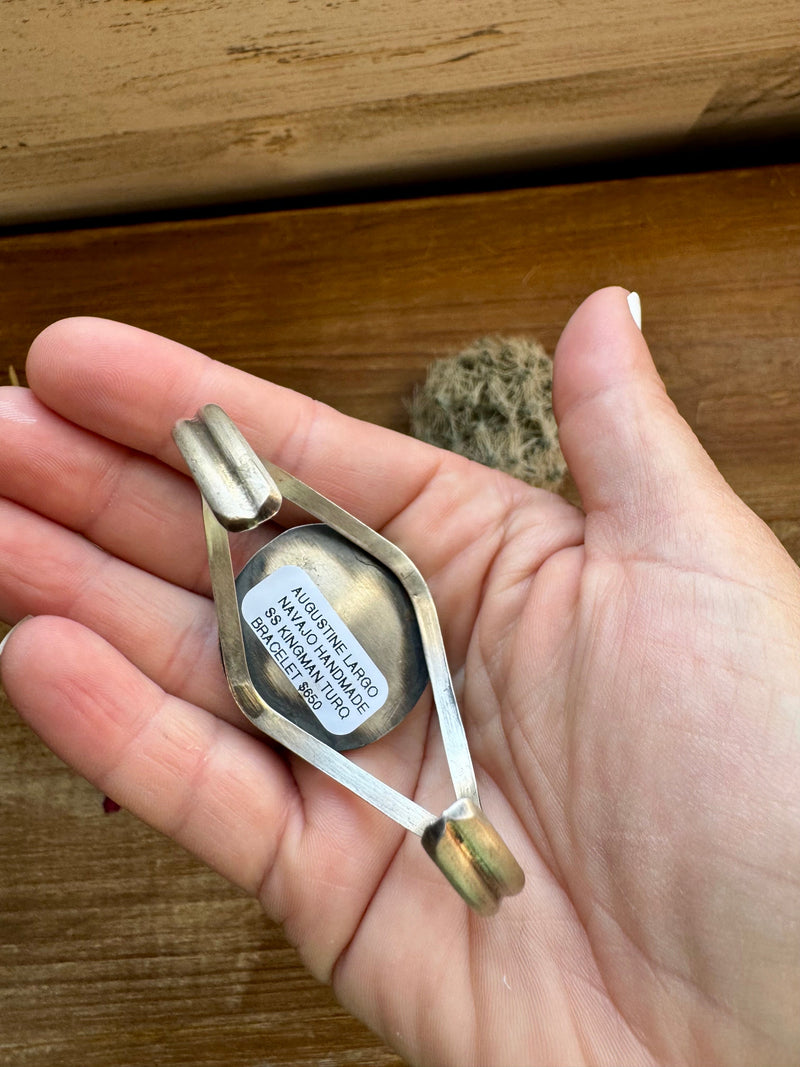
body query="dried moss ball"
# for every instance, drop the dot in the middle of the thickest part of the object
(494, 403)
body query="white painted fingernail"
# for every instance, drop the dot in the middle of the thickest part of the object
(10, 632)
(635, 304)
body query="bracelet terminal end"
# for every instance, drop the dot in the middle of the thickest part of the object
(473, 857)
(227, 471)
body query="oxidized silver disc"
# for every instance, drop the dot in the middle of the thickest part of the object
(330, 636)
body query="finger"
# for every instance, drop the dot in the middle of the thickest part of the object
(129, 504)
(168, 633)
(645, 481)
(132, 386)
(218, 792)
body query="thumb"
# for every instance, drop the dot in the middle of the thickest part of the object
(645, 481)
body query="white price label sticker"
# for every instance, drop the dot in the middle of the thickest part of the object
(315, 649)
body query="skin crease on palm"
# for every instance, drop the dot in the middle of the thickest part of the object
(629, 675)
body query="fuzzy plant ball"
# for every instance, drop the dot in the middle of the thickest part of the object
(494, 403)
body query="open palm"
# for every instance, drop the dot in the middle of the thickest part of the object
(628, 674)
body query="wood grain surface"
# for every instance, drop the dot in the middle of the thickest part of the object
(116, 949)
(129, 104)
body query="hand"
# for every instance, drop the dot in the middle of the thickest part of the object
(629, 675)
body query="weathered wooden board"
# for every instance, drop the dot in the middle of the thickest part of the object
(116, 949)
(128, 104)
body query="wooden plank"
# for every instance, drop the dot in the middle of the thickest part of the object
(121, 106)
(116, 948)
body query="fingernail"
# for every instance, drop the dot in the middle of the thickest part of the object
(635, 304)
(10, 632)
